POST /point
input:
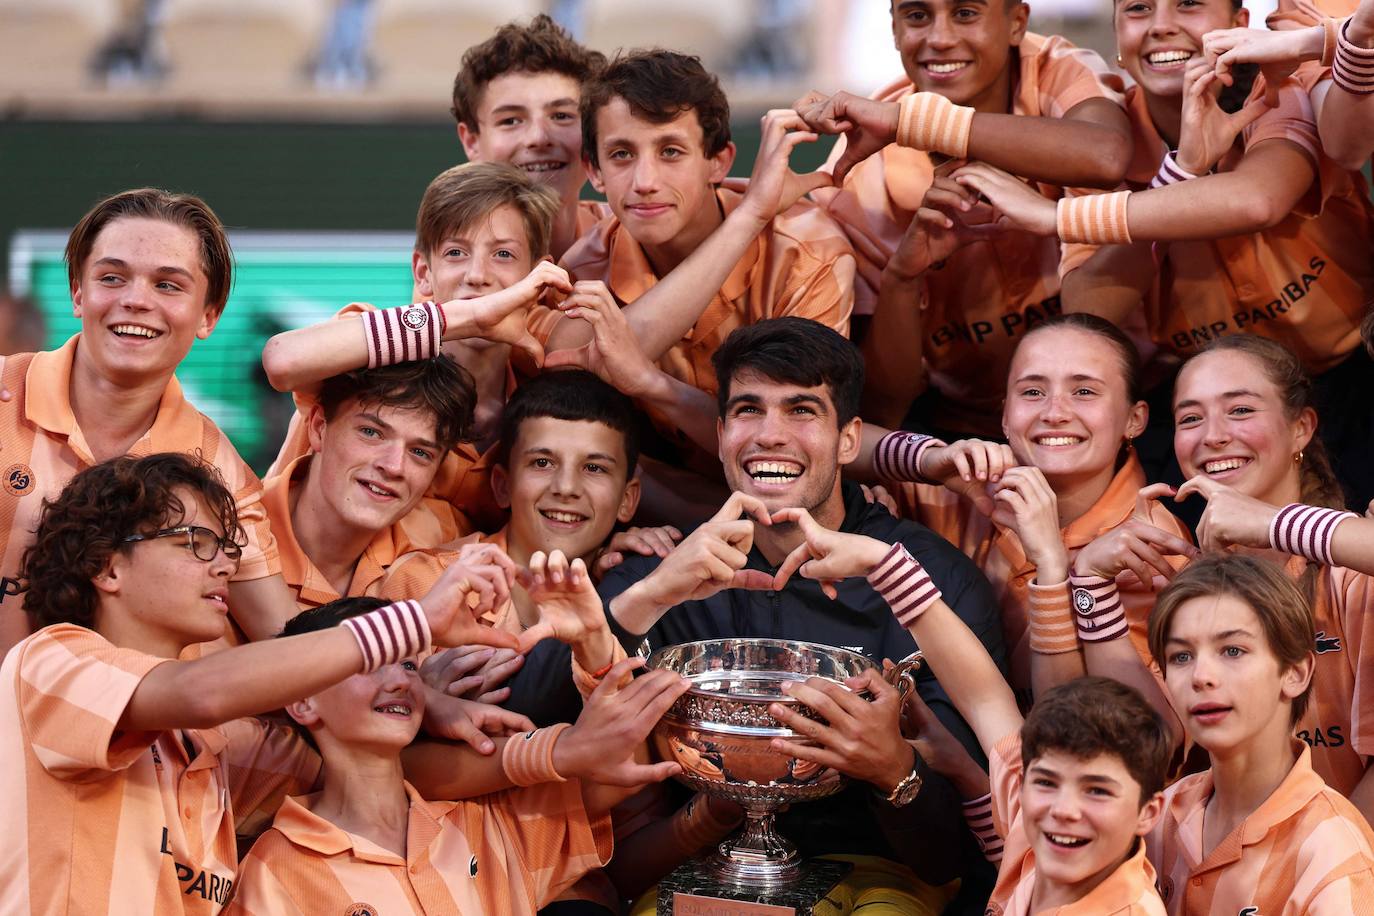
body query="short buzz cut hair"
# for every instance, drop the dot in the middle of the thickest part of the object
(466, 194)
(574, 395)
(658, 86)
(439, 386)
(543, 46)
(99, 507)
(794, 350)
(185, 210)
(1089, 716)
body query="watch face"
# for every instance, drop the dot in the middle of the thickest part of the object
(415, 318)
(1083, 600)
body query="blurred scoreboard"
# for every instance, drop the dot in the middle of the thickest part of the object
(282, 280)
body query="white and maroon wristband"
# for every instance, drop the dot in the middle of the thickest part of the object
(1353, 69)
(904, 584)
(404, 333)
(898, 456)
(978, 816)
(390, 633)
(1098, 609)
(1306, 531)
(1170, 172)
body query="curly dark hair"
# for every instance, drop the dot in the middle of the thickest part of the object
(542, 46)
(658, 86)
(87, 523)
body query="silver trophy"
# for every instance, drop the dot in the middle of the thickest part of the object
(719, 731)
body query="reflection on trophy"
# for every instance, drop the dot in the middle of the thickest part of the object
(719, 731)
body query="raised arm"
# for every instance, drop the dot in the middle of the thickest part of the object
(305, 356)
(954, 653)
(663, 315)
(1090, 146)
(262, 676)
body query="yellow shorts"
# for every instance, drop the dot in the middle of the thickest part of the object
(882, 887)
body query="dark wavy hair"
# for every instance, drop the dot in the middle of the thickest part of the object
(438, 385)
(87, 523)
(658, 86)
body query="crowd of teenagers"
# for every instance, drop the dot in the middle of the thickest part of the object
(1061, 382)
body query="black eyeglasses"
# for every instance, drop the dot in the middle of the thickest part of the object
(204, 543)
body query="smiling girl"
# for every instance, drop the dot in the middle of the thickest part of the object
(1068, 476)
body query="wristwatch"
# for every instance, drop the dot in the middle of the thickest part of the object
(909, 787)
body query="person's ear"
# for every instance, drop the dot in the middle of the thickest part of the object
(593, 174)
(208, 321)
(1304, 427)
(720, 439)
(1241, 19)
(315, 424)
(468, 138)
(721, 163)
(1019, 16)
(500, 485)
(419, 268)
(1149, 814)
(76, 299)
(304, 712)
(629, 501)
(851, 438)
(112, 574)
(1297, 677)
(1137, 419)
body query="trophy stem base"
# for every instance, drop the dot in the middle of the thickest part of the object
(758, 856)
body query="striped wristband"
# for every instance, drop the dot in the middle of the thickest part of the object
(1097, 605)
(1306, 531)
(404, 333)
(904, 584)
(390, 633)
(1170, 172)
(929, 121)
(898, 456)
(1052, 630)
(1094, 219)
(978, 815)
(527, 760)
(1353, 68)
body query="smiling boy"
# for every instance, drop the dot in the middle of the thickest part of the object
(517, 99)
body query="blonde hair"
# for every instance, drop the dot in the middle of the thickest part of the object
(1283, 611)
(466, 194)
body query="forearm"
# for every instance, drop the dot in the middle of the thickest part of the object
(645, 856)
(1345, 123)
(242, 681)
(450, 771)
(637, 609)
(893, 350)
(1226, 204)
(1059, 151)
(663, 315)
(261, 607)
(1111, 284)
(1352, 545)
(690, 409)
(1119, 660)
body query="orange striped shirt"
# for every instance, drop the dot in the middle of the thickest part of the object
(41, 448)
(1338, 724)
(102, 821)
(998, 552)
(430, 523)
(1127, 891)
(508, 853)
(988, 293)
(464, 478)
(1304, 282)
(801, 265)
(1306, 849)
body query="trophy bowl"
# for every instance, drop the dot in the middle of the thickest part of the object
(719, 732)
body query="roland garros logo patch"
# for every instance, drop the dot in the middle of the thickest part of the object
(19, 480)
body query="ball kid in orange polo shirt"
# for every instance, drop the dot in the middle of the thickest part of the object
(149, 273)
(977, 85)
(127, 771)
(517, 99)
